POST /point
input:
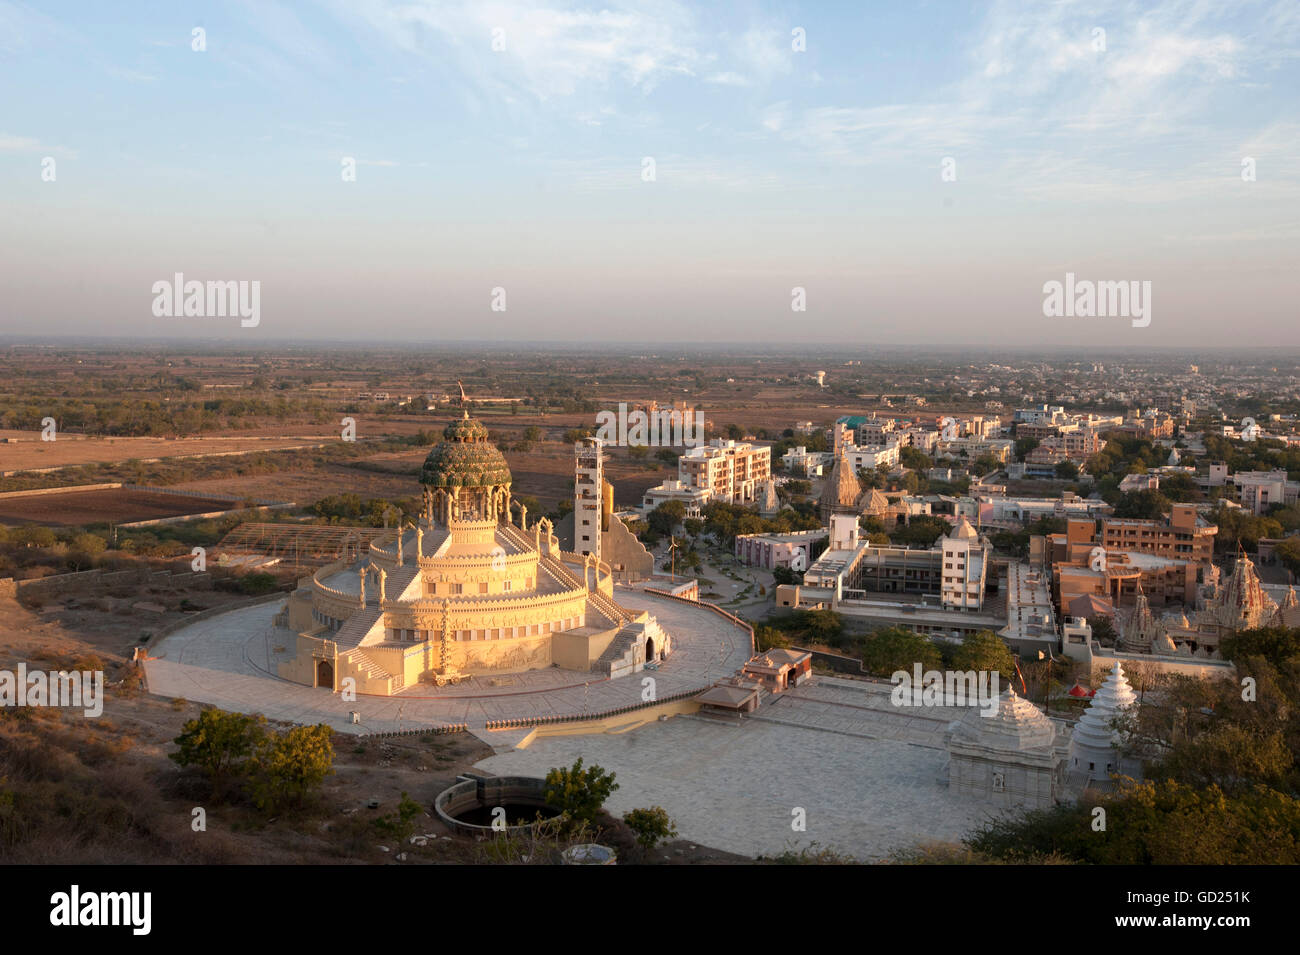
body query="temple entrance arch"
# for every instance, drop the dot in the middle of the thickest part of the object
(650, 650)
(325, 674)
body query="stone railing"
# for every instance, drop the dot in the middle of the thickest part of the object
(439, 730)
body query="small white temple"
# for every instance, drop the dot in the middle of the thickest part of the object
(1012, 759)
(1093, 744)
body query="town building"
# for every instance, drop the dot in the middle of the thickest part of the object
(592, 527)
(694, 498)
(794, 551)
(808, 463)
(729, 470)
(1260, 490)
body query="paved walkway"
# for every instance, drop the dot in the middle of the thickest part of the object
(735, 787)
(226, 660)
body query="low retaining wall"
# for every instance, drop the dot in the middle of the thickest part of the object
(836, 661)
(98, 579)
(8, 495)
(714, 607)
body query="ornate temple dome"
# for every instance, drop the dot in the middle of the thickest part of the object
(465, 458)
(1017, 727)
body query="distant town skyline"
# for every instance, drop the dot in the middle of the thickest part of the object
(920, 172)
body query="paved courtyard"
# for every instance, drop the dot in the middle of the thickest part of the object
(858, 708)
(735, 787)
(230, 661)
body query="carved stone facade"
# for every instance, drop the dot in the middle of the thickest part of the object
(462, 591)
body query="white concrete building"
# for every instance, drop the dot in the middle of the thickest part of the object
(693, 497)
(730, 471)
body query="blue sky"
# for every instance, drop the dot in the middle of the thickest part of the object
(521, 168)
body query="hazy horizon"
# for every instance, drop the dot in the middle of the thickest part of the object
(1115, 156)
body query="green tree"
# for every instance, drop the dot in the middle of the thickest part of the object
(984, 651)
(1142, 505)
(33, 535)
(897, 648)
(1067, 470)
(1287, 551)
(90, 544)
(914, 458)
(823, 626)
(1228, 756)
(219, 743)
(579, 793)
(768, 638)
(288, 766)
(665, 517)
(1275, 644)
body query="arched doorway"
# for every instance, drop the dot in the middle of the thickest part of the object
(325, 674)
(650, 650)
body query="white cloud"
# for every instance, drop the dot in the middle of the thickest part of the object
(547, 52)
(727, 79)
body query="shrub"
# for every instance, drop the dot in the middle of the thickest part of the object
(579, 793)
(651, 826)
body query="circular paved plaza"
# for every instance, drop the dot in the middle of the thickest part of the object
(230, 660)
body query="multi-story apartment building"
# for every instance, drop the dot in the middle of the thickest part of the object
(1041, 414)
(805, 462)
(954, 569)
(999, 448)
(1183, 535)
(1150, 424)
(1260, 490)
(876, 431)
(880, 457)
(729, 470)
(1162, 557)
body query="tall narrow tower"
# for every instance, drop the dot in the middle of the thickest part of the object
(587, 499)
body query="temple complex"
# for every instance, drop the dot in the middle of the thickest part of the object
(466, 587)
(1222, 609)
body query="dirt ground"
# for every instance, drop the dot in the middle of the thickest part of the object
(115, 505)
(31, 452)
(545, 473)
